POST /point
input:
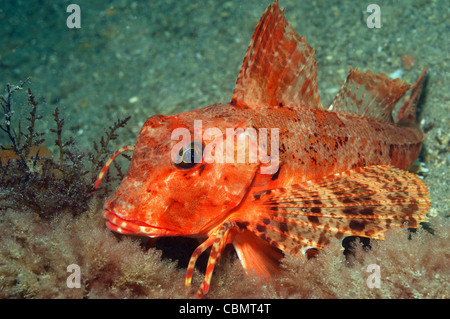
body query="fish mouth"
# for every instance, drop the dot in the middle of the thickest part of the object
(134, 227)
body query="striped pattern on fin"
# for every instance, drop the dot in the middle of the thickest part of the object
(407, 113)
(370, 95)
(256, 255)
(362, 202)
(224, 236)
(279, 68)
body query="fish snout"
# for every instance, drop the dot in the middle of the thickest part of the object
(121, 220)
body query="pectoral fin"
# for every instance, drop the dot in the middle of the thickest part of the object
(362, 202)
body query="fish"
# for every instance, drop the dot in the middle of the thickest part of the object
(326, 172)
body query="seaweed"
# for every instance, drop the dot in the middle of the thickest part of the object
(101, 153)
(31, 176)
(6, 104)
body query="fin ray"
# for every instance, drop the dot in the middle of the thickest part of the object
(407, 113)
(362, 202)
(370, 95)
(256, 255)
(279, 67)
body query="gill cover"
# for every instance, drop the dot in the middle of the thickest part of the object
(169, 198)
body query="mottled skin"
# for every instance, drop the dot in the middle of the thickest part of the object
(312, 141)
(327, 184)
(318, 142)
(174, 201)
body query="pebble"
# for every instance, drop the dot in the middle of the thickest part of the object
(133, 99)
(396, 74)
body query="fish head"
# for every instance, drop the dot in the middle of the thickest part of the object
(176, 184)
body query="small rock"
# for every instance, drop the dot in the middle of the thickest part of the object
(133, 99)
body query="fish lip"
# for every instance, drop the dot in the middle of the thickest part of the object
(134, 227)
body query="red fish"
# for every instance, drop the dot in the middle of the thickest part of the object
(333, 172)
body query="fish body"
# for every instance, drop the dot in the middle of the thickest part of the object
(319, 173)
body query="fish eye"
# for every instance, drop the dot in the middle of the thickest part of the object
(188, 155)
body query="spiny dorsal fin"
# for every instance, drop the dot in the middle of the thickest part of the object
(368, 94)
(407, 113)
(279, 67)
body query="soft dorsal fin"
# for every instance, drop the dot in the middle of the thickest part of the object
(369, 94)
(279, 67)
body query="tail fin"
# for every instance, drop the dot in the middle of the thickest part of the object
(407, 113)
